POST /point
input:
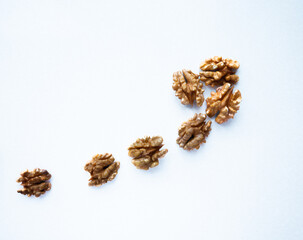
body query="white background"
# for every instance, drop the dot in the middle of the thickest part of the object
(79, 78)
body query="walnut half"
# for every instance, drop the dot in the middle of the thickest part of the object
(193, 132)
(223, 101)
(102, 168)
(217, 71)
(146, 152)
(35, 182)
(188, 87)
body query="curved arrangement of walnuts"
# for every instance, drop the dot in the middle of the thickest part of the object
(224, 104)
(102, 168)
(35, 182)
(146, 152)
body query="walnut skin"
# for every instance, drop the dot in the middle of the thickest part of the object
(193, 132)
(146, 152)
(35, 182)
(188, 87)
(218, 71)
(102, 169)
(223, 101)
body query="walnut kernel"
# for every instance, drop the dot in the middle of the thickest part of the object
(102, 169)
(193, 132)
(217, 71)
(35, 182)
(223, 101)
(146, 152)
(188, 87)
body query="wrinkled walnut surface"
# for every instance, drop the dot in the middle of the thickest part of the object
(223, 101)
(146, 152)
(102, 169)
(188, 87)
(217, 71)
(193, 132)
(35, 182)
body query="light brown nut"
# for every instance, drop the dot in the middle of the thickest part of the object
(223, 101)
(188, 87)
(102, 168)
(217, 71)
(35, 182)
(146, 152)
(193, 132)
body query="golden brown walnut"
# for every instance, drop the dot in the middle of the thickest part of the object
(102, 168)
(188, 87)
(193, 132)
(35, 182)
(146, 152)
(223, 101)
(217, 71)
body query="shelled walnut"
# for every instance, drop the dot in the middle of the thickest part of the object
(188, 87)
(223, 101)
(217, 71)
(193, 132)
(146, 152)
(35, 182)
(102, 169)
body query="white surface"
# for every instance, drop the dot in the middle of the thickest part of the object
(84, 77)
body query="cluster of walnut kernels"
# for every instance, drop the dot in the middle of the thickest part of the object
(145, 152)
(224, 103)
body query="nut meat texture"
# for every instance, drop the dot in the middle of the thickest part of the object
(223, 101)
(217, 71)
(102, 169)
(188, 87)
(193, 132)
(35, 182)
(146, 152)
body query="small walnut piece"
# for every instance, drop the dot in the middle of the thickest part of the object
(102, 168)
(146, 152)
(218, 71)
(193, 132)
(223, 101)
(188, 87)
(35, 182)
